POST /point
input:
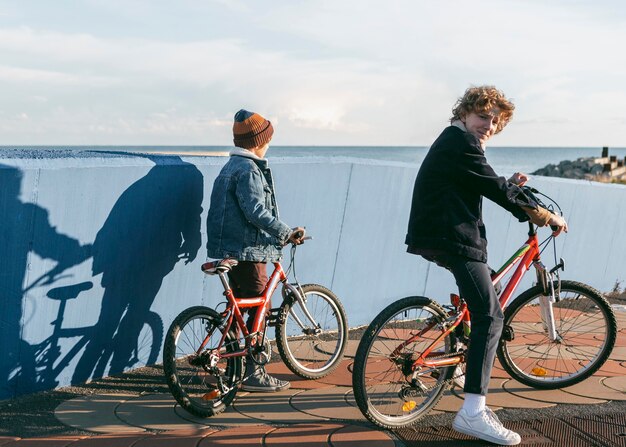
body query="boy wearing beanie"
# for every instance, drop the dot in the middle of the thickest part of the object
(243, 224)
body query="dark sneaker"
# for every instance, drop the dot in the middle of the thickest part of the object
(257, 380)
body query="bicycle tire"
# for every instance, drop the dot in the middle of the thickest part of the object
(194, 385)
(154, 322)
(313, 355)
(585, 323)
(120, 355)
(382, 384)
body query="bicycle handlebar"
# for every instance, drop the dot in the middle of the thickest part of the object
(305, 238)
(533, 192)
(552, 207)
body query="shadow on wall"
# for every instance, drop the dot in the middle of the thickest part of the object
(154, 224)
(24, 227)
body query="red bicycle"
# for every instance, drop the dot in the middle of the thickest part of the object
(556, 334)
(205, 348)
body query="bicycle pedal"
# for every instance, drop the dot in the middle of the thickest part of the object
(275, 317)
(508, 334)
(212, 395)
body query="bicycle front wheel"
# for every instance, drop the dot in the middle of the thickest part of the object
(387, 390)
(149, 340)
(312, 339)
(200, 380)
(585, 335)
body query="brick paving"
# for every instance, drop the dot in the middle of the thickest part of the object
(316, 413)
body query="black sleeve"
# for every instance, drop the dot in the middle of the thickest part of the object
(476, 174)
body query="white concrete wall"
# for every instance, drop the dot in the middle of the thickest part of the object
(373, 268)
(356, 210)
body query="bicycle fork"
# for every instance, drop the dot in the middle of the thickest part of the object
(547, 316)
(547, 299)
(315, 327)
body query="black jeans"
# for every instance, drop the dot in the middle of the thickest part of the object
(474, 281)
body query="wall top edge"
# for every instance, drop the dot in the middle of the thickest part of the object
(37, 158)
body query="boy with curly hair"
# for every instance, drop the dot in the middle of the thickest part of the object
(446, 227)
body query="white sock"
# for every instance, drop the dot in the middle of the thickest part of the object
(474, 403)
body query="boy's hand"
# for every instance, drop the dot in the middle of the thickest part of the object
(188, 257)
(518, 179)
(558, 224)
(297, 236)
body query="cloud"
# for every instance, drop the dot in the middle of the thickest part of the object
(26, 75)
(535, 37)
(336, 94)
(238, 6)
(198, 62)
(89, 127)
(326, 72)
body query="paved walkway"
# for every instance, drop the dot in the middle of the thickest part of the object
(310, 413)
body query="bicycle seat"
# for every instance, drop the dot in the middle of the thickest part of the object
(223, 265)
(69, 292)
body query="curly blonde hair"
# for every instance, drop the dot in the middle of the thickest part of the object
(484, 99)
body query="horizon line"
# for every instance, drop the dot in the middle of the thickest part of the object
(61, 146)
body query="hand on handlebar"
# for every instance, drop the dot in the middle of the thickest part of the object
(187, 257)
(519, 179)
(297, 236)
(558, 224)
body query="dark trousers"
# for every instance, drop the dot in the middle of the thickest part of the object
(248, 280)
(474, 281)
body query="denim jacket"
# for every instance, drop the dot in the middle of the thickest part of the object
(243, 221)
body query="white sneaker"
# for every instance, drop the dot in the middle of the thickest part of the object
(486, 426)
(458, 378)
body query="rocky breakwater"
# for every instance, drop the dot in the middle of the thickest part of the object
(605, 169)
(582, 168)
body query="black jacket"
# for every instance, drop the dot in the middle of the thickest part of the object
(446, 210)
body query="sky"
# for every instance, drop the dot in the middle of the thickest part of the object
(325, 72)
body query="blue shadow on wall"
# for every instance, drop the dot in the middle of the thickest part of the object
(154, 224)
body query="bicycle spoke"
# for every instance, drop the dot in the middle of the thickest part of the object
(201, 382)
(388, 391)
(312, 339)
(585, 330)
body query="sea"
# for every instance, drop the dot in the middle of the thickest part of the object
(504, 160)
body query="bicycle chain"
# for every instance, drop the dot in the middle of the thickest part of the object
(445, 383)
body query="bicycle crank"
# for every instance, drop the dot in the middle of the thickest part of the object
(261, 354)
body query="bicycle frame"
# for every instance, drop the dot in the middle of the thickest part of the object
(527, 255)
(234, 314)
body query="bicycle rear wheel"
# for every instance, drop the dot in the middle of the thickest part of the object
(312, 345)
(386, 390)
(202, 383)
(586, 330)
